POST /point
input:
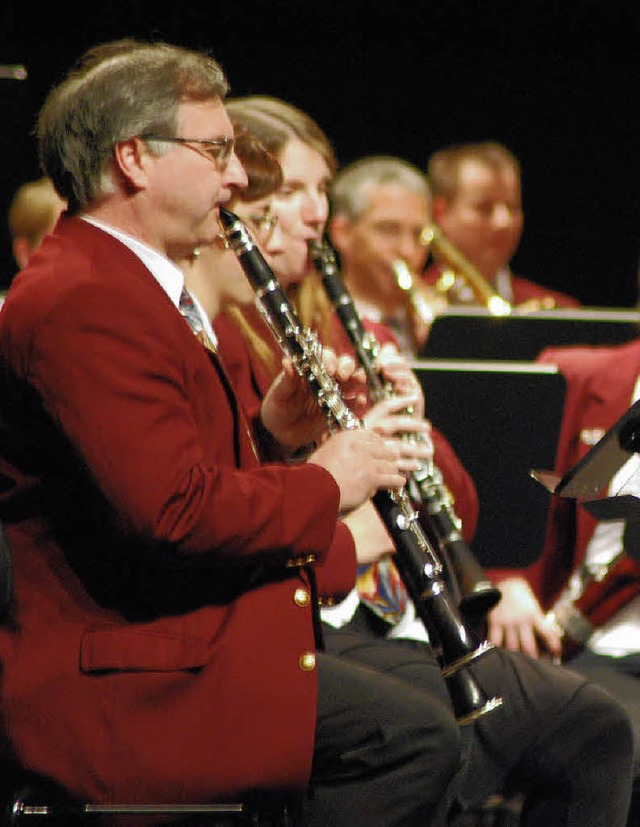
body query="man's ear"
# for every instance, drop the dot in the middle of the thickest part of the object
(21, 250)
(339, 229)
(131, 159)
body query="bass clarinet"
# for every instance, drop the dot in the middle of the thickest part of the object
(416, 560)
(477, 595)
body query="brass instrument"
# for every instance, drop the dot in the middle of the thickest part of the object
(456, 264)
(416, 561)
(475, 594)
(423, 303)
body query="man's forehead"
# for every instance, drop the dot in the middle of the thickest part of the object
(475, 173)
(396, 201)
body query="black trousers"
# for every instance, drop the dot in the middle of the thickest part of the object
(385, 751)
(621, 678)
(389, 751)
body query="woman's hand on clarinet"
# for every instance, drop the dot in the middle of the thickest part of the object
(396, 370)
(289, 411)
(410, 435)
(519, 623)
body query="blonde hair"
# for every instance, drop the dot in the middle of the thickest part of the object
(274, 123)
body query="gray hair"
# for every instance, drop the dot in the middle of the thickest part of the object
(350, 189)
(116, 91)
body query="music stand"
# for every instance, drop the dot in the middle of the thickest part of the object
(474, 333)
(502, 419)
(593, 473)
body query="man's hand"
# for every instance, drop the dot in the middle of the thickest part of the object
(518, 622)
(361, 462)
(396, 370)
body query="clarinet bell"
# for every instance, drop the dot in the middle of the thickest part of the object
(475, 605)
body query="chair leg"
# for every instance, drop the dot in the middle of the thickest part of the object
(37, 798)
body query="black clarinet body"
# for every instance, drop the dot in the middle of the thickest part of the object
(475, 594)
(416, 561)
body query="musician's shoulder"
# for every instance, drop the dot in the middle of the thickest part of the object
(584, 361)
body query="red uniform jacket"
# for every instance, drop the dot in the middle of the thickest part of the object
(160, 645)
(523, 290)
(600, 383)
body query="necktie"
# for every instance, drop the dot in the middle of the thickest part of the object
(190, 312)
(382, 590)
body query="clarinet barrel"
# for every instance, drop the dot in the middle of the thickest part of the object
(416, 560)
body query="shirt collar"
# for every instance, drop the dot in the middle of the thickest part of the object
(504, 284)
(165, 272)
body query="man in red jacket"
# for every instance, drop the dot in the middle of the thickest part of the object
(161, 643)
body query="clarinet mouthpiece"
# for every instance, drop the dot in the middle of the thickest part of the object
(227, 218)
(235, 235)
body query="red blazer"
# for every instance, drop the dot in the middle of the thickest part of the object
(600, 384)
(160, 645)
(523, 290)
(252, 380)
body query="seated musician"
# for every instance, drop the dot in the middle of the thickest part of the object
(162, 641)
(380, 207)
(533, 616)
(381, 593)
(34, 210)
(546, 743)
(477, 206)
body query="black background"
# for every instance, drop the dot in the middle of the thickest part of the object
(557, 82)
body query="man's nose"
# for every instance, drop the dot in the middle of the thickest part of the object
(234, 173)
(502, 216)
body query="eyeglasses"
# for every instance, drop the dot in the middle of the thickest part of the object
(218, 150)
(264, 225)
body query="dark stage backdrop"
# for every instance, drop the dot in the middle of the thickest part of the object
(557, 82)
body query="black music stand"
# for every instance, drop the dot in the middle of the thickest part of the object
(502, 419)
(593, 473)
(474, 333)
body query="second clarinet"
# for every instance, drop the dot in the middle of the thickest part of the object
(477, 595)
(416, 560)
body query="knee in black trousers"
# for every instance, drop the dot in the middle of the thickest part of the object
(386, 752)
